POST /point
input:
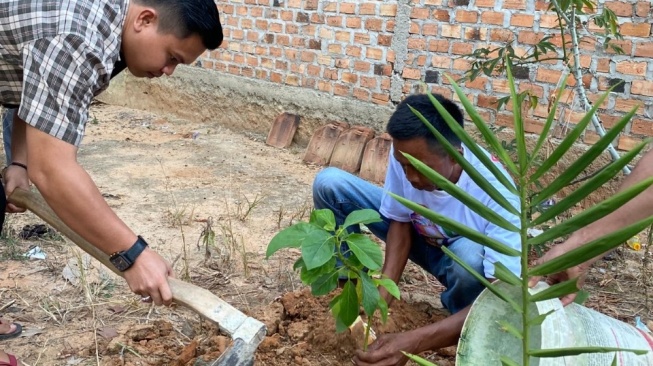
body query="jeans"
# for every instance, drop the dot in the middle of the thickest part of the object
(7, 124)
(343, 193)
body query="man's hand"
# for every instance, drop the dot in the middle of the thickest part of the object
(579, 271)
(386, 350)
(149, 277)
(15, 177)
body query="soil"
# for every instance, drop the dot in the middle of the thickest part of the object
(173, 180)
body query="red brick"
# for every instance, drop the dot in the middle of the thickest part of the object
(462, 48)
(462, 64)
(347, 8)
(353, 22)
(419, 13)
(642, 87)
(285, 15)
(625, 105)
(441, 62)
(535, 89)
(514, 4)
(445, 92)
(331, 74)
(388, 10)
(374, 53)
(414, 28)
(620, 8)
(635, 29)
(374, 24)
(342, 63)
(367, 9)
(292, 80)
(361, 94)
(430, 29)
(486, 101)
(464, 16)
(500, 86)
(341, 89)
(626, 46)
(276, 77)
(343, 36)
(485, 3)
(643, 9)
(362, 66)
(441, 15)
(501, 35)
(390, 25)
(492, 17)
(438, 45)
(505, 120)
(417, 44)
(594, 98)
(451, 31)
(410, 73)
(522, 20)
(313, 70)
(548, 76)
(632, 68)
(476, 34)
(334, 48)
(644, 49)
(385, 84)
(334, 21)
(379, 98)
(529, 37)
(591, 137)
(330, 7)
(642, 126)
(362, 38)
(324, 86)
(390, 56)
(603, 65)
(607, 120)
(369, 82)
(588, 43)
(585, 61)
(353, 51)
(479, 83)
(627, 143)
(349, 77)
(384, 40)
(549, 21)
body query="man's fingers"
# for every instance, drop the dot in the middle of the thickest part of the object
(568, 299)
(533, 281)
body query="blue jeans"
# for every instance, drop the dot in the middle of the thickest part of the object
(7, 124)
(343, 193)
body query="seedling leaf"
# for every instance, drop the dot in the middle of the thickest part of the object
(366, 216)
(367, 252)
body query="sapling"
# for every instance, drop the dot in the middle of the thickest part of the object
(331, 253)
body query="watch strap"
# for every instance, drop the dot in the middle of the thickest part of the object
(125, 259)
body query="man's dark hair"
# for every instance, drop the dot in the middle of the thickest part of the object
(184, 18)
(405, 125)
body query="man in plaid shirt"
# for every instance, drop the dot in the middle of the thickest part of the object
(55, 56)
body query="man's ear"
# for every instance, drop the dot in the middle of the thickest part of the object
(147, 17)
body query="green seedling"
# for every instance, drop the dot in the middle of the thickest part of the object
(324, 261)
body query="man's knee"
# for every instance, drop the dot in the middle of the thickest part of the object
(328, 179)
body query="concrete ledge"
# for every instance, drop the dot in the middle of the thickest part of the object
(239, 103)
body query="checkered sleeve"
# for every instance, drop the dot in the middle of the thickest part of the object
(60, 76)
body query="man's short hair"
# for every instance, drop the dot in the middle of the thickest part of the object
(184, 18)
(405, 125)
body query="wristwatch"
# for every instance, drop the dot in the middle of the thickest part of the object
(123, 260)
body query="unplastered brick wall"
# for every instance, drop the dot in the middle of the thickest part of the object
(381, 51)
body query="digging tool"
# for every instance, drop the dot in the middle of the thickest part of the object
(246, 332)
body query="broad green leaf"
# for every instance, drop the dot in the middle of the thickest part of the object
(517, 99)
(483, 280)
(558, 352)
(418, 360)
(569, 140)
(389, 286)
(462, 196)
(365, 216)
(505, 361)
(538, 320)
(383, 306)
(299, 263)
(507, 327)
(489, 137)
(370, 294)
(291, 237)
(367, 252)
(592, 214)
(324, 218)
(457, 227)
(590, 250)
(309, 276)
(556, 291)
(473, 173)
(502, 273)
(584, 161)
(469, 143)
(581, 297)
(318, 248)
(325, 284)
(336, 307)
(590, 186)
(348, 304)
(544, 136)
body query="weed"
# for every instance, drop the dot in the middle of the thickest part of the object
(243, 212)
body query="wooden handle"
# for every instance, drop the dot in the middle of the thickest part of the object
(228, 318)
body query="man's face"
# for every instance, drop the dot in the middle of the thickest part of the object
(150, 53)
(419, 149)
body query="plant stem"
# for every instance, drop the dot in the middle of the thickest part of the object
(367, 335)
(523, 192)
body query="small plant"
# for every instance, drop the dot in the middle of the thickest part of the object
(324, 261)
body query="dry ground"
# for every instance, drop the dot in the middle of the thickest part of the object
(172, 180)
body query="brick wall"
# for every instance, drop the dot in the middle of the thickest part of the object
(381, 51)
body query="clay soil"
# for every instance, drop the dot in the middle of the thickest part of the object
(172, 181)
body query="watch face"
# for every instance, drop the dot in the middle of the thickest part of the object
(120, 262)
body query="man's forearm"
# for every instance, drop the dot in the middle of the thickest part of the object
(397, 249)
(18, 144)
(441, 334)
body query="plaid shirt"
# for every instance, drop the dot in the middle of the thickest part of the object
(55, 56)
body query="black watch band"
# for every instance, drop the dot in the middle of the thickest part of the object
(125, 259)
